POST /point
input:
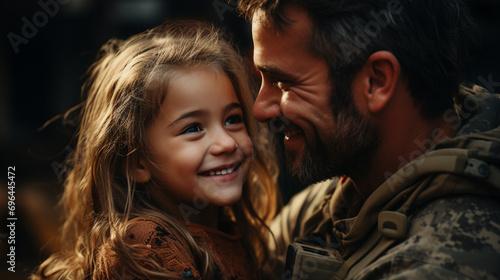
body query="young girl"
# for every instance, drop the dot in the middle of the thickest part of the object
(172, 176)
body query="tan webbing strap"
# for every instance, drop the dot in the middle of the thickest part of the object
(365, 249)
(435, 162)
(392, 225)
(370, 249)
(381, 247)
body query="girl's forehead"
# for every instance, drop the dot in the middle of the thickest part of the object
(199, 88)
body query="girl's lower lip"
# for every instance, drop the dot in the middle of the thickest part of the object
(224, 178)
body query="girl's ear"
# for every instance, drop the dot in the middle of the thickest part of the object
(141, 172)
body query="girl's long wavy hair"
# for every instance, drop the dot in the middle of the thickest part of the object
(123, 93)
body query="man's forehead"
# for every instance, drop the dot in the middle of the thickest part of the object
(296, 22)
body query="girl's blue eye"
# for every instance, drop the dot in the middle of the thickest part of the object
(192, 129)
(234, 119)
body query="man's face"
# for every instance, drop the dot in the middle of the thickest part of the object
(296, 96)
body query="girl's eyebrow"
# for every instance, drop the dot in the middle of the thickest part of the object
(195, 113)
(202, 113)
(231, 106)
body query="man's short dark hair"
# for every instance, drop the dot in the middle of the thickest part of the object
(430, 39)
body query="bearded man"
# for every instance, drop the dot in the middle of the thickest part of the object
(370, 92)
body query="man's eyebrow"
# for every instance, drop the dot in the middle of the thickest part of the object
(195, 113)
(275, 72)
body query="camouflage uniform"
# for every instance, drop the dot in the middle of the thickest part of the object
(438, 217)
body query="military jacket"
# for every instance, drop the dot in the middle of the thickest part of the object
(438, 217)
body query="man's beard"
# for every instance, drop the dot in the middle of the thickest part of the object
(348, 151)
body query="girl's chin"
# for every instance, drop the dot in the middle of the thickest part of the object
(226, 199)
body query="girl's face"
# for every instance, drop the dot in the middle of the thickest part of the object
(199, 142)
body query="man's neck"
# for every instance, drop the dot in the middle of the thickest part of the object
(401, 145)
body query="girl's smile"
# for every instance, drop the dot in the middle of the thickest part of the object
(223, 173)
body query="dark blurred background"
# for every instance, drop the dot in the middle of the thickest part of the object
(46, 47)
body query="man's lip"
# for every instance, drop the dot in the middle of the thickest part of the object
(292, 130)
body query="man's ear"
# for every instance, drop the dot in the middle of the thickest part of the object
(141, 172)
(381, 74)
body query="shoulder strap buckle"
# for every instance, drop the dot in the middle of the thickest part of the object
(392, 224)
(477, 168)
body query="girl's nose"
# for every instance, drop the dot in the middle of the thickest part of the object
(223, 143)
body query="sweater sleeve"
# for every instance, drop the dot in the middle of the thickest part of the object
(161, 245)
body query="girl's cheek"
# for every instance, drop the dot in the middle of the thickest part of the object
(246, 146)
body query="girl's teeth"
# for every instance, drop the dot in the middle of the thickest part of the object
(221, 172)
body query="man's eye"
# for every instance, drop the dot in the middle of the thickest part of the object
(192, 129)
(281, 85)
(278, 84)
(234, 119)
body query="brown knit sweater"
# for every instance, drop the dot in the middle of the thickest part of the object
(172, 252)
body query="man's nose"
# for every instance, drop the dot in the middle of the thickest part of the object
(267, 104)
